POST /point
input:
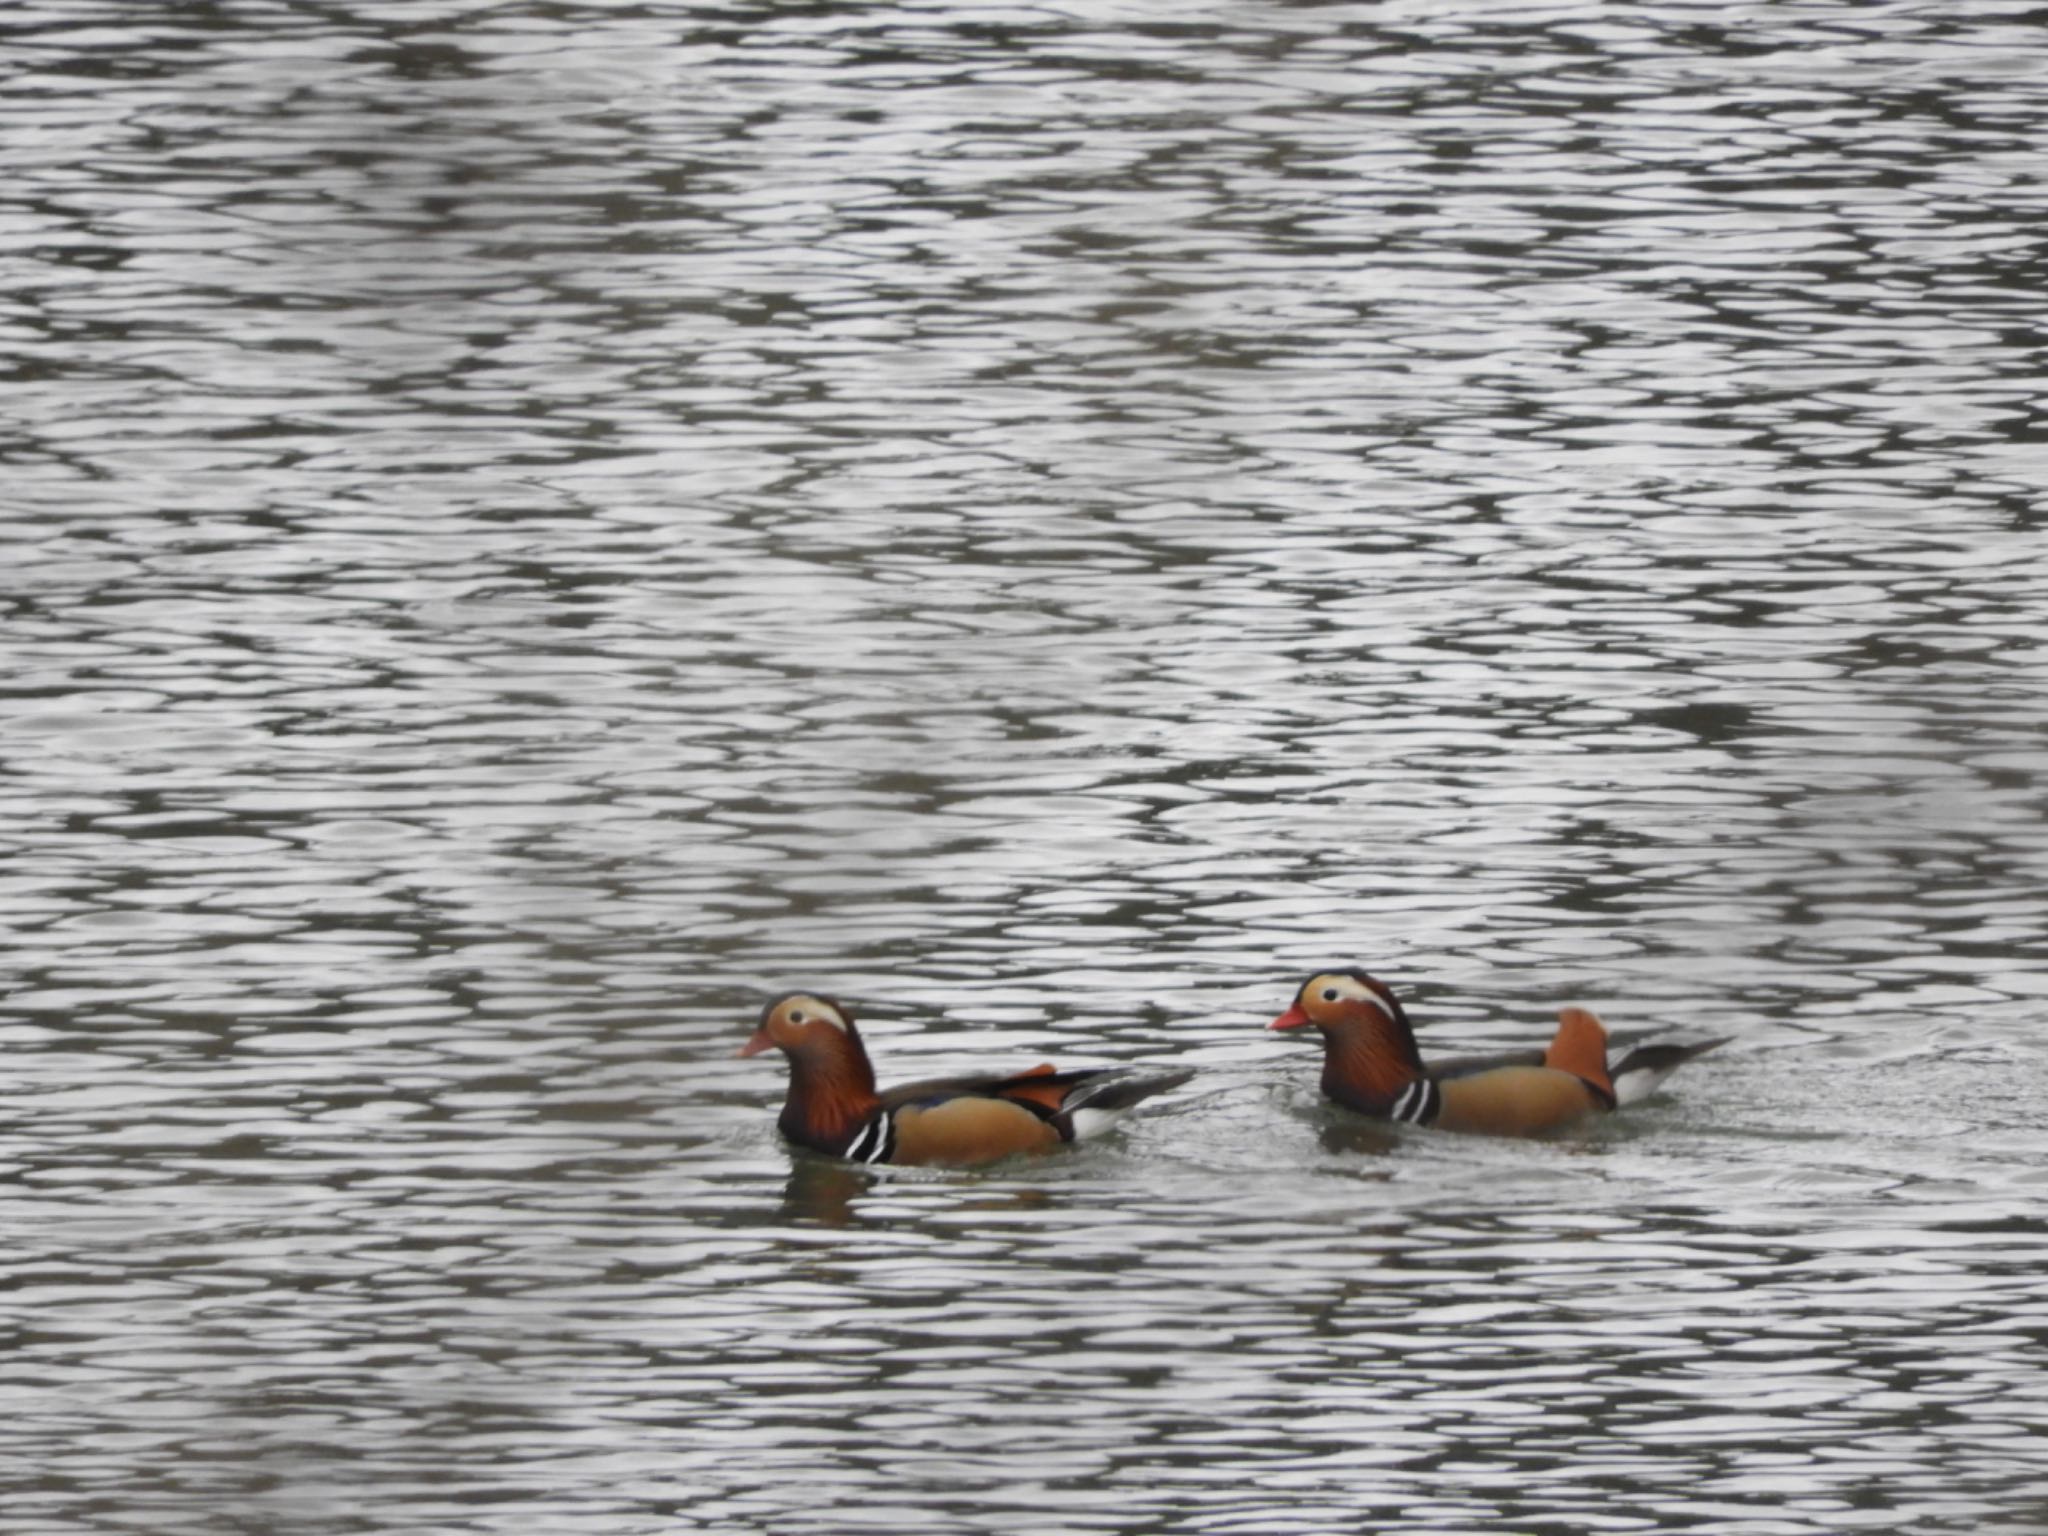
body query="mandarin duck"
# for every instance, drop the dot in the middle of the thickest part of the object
(1370, 1064)
(834, 1108)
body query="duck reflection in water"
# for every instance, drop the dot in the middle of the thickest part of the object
(822, 1190)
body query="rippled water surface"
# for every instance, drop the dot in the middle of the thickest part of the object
(528, 528)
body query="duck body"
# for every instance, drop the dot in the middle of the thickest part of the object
(834, 1107)
(1371, 1064)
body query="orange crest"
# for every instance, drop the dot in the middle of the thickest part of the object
(1580, 1048)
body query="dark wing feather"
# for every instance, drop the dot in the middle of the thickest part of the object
(1043, 1091)
(1661, 1056)
(1468, 1066)
(1626, 1054)
(1117, 1088)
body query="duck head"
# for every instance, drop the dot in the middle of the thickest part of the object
(831, 1083)
(1369, 1052)
(803, 1023)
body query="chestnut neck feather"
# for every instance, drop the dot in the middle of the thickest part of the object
(1367, 1065)
(831, 1092)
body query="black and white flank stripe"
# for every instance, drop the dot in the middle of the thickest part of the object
(875, 1142)
(1418, 1103)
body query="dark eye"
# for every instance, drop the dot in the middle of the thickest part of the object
(796, 1015)
(1329, 994)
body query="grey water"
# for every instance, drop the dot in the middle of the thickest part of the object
(530, 528)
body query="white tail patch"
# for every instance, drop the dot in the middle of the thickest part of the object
(1123, 1091)
(1642, 1071)
(1093, 1122)
(1637, 1084)
(1083, 1117)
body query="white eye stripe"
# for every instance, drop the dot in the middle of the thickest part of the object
(811, 1010)
(1358, 991)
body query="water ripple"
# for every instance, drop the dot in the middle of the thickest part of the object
(525, 534)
